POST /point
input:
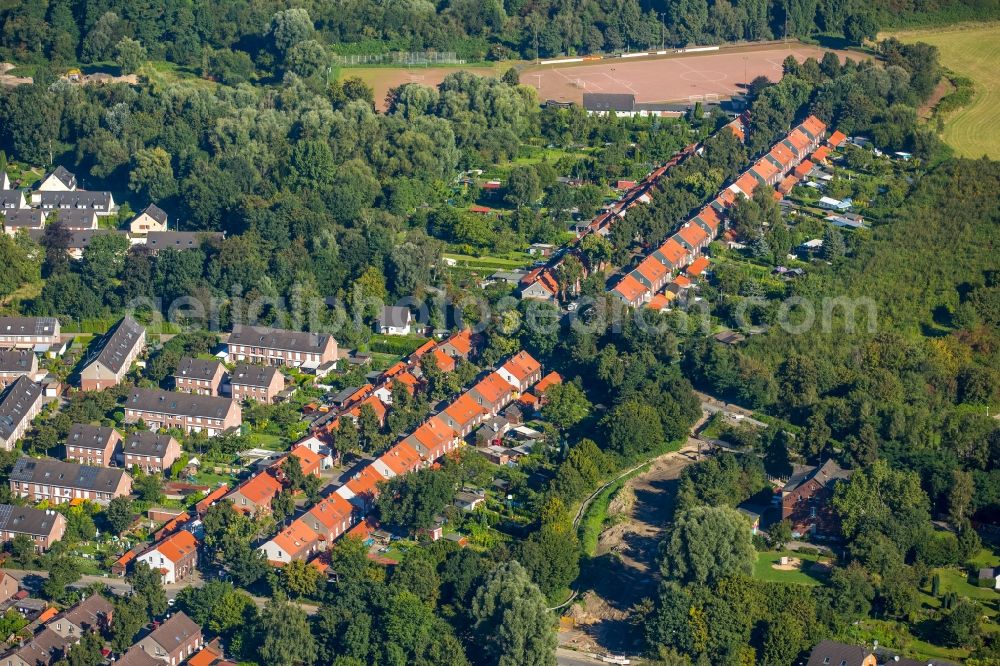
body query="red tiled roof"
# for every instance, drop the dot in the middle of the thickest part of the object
(630, 289)
(786, 185)
(522, 366)
(330, 511)
(697, 267)
(837, 139)
(658, 302)
(674, 251)
(493, 387)
(782, 155)
(765, 169)
(366, 482)
(296, 539)
(747, 184)
(444, 362)
(260, 490)
(798, 139)
(803, 168)
(400, 366)
(462, 341)
(205, 657)
(726, 198)
(710, 217)
(820, 154)
(177, 546)
(736, 125)
(546, 382)
(401, 459)
(682, 281)
(814, 125)
(211, 498)
(464, 410)
(651, 269)
(309, 460)
(693, 234)
(433, 434)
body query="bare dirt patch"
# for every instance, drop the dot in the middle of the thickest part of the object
(791, 564)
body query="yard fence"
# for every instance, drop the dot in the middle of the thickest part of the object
(400, 58)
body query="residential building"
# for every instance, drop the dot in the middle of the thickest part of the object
(254, 382)
(114, 356)
(463, 415)
(832, 653)
(153, 218)
(521, 371)
(60, 180)
(175, 557)
(58, 482)
(296, 542)
(179, 240)
(42, 649)
(36, 333)
(43, 527)
(150, 452)
(805, 498)
(92, 445)
(362, 489)
(394, 320)
(272, 346)
(254, 495)
(12, 200)
(399, 460)
(493, 393)
(330, 517)
(93, 614)
(20, 402)
(8, 587)
(135, 656)
(101, 203)
(433, 439)
(79, 240)
(195, 375)
(16, 219)
(16, 363)
(160, 410)
(173, 641)
(459, 345)
(540, 285)
(74, 219)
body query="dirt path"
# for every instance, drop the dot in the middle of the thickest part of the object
(624, 570)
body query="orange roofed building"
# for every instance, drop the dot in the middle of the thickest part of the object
(330, 517)
(463, 415)
(175, 557)
(458, 345)
(492, 393)
(362, 489)
(254, 495)
(399, 460)
(296, 542)
(697, 267)
(521, 370)
(630, 291)
(433, 439)
(837, 139)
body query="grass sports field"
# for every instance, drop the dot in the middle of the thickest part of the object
(972, 51)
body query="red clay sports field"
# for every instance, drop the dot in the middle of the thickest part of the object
(673, 77)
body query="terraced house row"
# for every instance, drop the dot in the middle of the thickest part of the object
(680, 250)
(439, 435)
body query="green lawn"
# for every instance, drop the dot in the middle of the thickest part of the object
(266, 441)
(971, 50)
(487, 262)
(804, 576)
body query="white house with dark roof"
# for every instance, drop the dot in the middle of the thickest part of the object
(74, 219)
(60, 180)
(120, 347)
(102, 203)
(12, 200)
(394, 320)
(152, 219)
(19, 404)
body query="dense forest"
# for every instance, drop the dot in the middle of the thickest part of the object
(260, 37)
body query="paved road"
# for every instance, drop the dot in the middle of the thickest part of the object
(566, 657)
(122, 587)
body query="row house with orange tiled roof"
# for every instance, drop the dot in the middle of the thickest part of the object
(651, 273)
(362, 489)
(766, 172)
(398, 460)
(254, 495)
(693, 237)
(521, 370)
(630, 291)
(492, 393)
(433, 438)
(175, 557)
(463, 414)
(458, 345)
(297, 541)
(330, 517)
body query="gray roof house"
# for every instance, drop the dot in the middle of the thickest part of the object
(394, 320)
(61, 179)
(101, 202)
(43, 527)
(119, 348)
(12, 199)
(19, 404)
(609, 102)
(16, 363)
(22, 218)
(46, 479)
(179, 240)
(187, 411)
